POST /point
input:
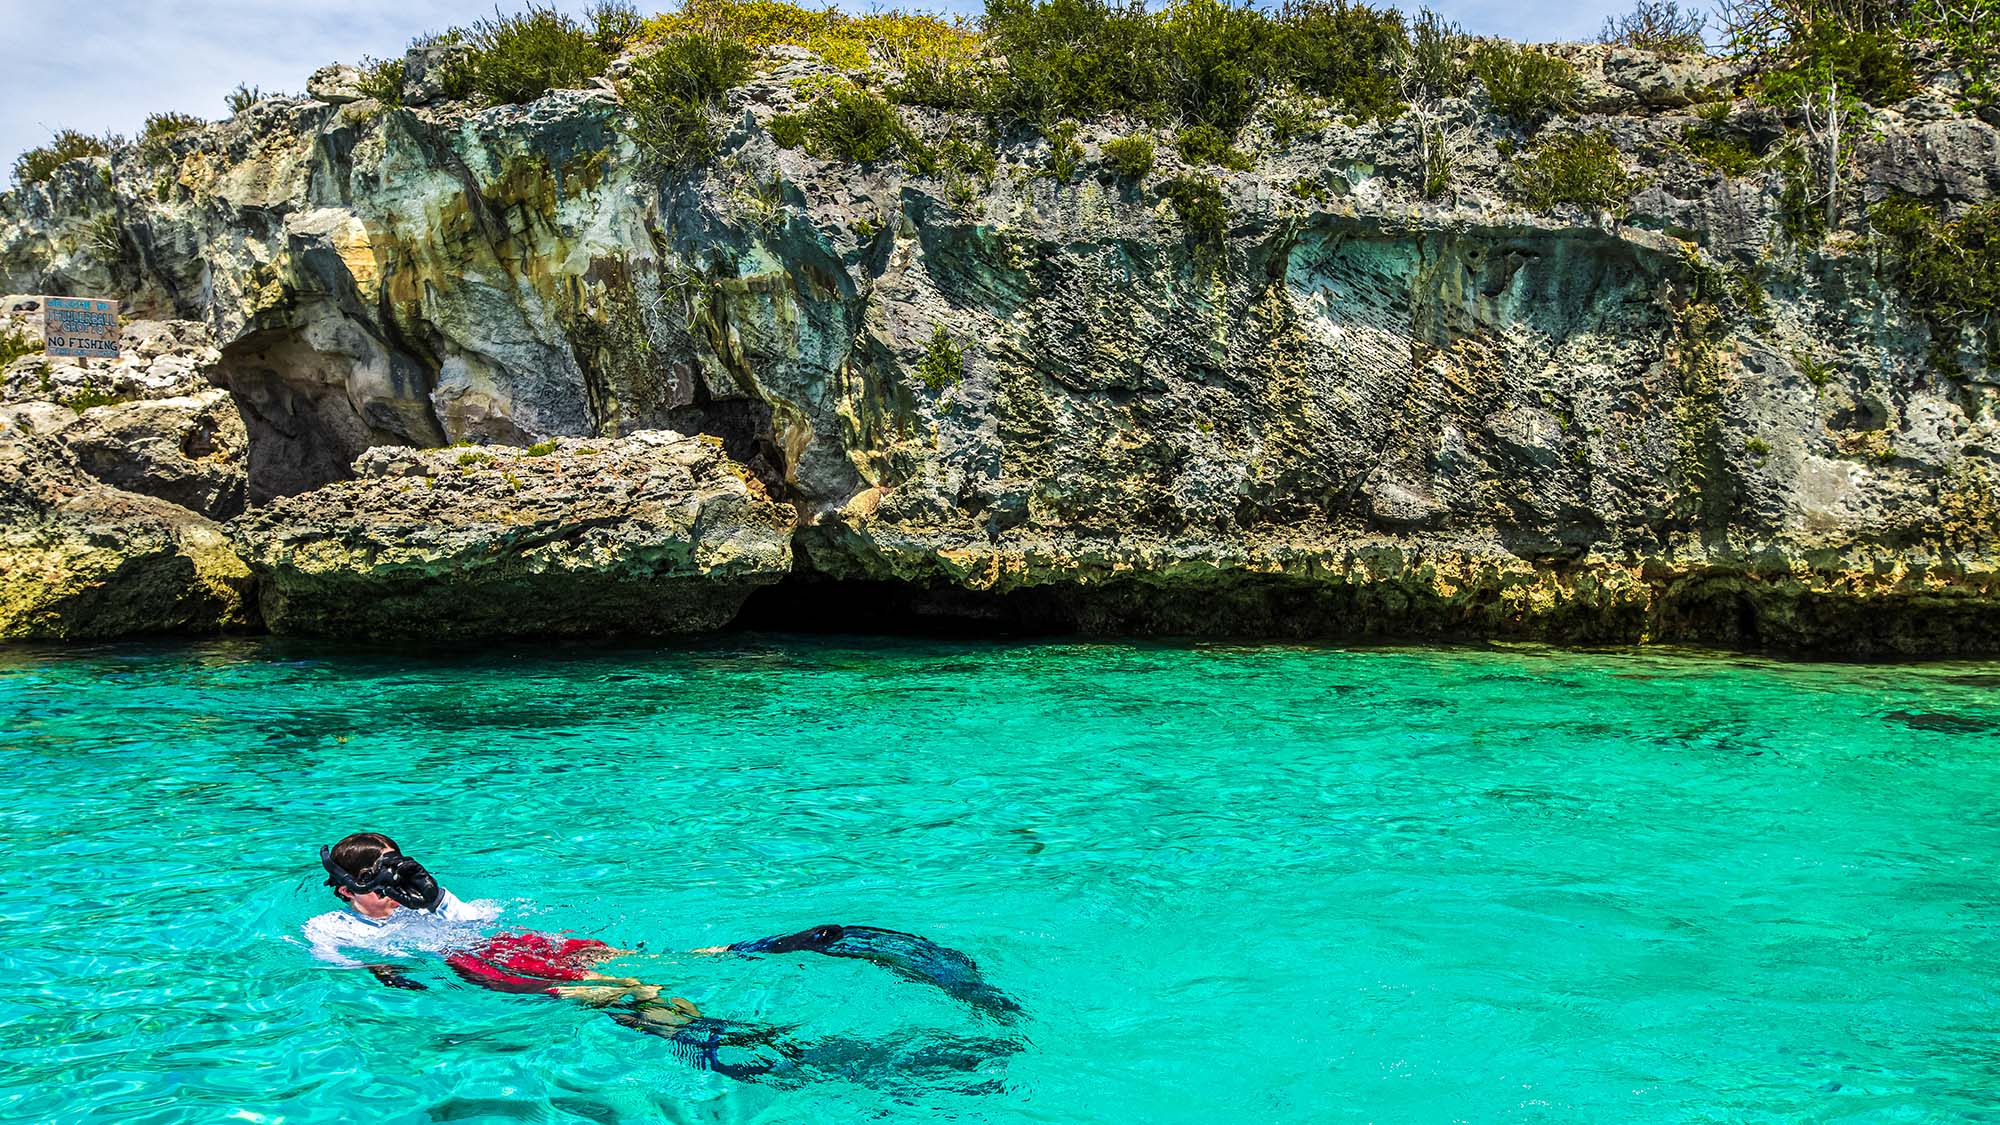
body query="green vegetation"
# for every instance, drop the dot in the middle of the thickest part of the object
(1525, 85)
(943, 364)
(1948, 270)
(1757, 447)
(1800, 213)
(542, 448)
(1064, 153)
(36, 165)
(1814, 369)
(1197, 201)
(1198, 62)
(243, 97)
(1719, 148)
(1970, 36)
(901, 40)
(1130, 157)
(1289, 118)
(1806, 50)
(104, 238)
(1874, 68)
(967, 165)
(92, 395)
(614, 26)
(1206, 144)
(382, 79)
(472, 457)
(161, 128)
(1343, 51)
(1658, 25)
(17, 342)
(1434, 66)
(1310, 189)
(1435, 161)
(1582, 168)
(849, 123)
(519, 58)
(674, 92)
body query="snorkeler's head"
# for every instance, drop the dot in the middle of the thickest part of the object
(370, 863)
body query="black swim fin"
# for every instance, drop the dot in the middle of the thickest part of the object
(907, 955)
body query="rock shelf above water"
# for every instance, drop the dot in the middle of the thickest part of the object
(1355, 409)
(654, 533)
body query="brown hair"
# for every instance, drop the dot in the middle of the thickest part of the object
(357, 854)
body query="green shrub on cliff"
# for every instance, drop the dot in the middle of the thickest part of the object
(1863, 49)
(933, 54)
(1658, 25)
(243, 97)
(1194, 62)
(1948, 271)
(614, 26)
(1206, 144)
(17, 342)
(943, 364)
(1525, 85)
(36, 165)
(846, 122)
(1342, 50)
(1077, 58)
(1872, 66)
(1582, 168)
(674, 92)
(1065, 154)
(1435, 65)
(1198, 202)
(382, 80)
(160, 129)
(1130, 157)
(1719, 148)
(519, 58)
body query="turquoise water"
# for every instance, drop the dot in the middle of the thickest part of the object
(1227, 884)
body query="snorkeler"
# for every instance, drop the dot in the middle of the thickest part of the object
(396, 907)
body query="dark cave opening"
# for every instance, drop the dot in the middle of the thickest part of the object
(745, 429)
(810, 602)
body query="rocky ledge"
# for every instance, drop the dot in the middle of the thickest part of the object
(649, 534)
(80, 560)
(1300, 388)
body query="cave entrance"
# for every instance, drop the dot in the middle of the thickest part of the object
(744, 427)
(809, 602)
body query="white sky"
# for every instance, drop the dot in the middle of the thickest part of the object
(106, 65)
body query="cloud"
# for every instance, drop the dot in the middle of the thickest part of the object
(105, 66)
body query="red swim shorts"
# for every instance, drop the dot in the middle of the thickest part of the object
(527, 962)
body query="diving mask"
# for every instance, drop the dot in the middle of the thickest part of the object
(394, 876)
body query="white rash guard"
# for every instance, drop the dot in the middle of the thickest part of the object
(453, 925)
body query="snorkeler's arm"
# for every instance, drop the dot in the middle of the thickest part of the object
(392, 975)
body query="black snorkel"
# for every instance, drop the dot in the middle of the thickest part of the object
(394, 876)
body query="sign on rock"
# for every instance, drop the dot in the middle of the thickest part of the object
(82, 326)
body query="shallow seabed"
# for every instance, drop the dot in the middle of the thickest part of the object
(1227, 883)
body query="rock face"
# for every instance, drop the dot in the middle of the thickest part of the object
(80, 560)
(645, 535)
(1352, 411)
(189, 449)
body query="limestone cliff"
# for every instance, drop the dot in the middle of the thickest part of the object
(1357, 411)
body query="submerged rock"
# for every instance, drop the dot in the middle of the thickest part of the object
(81, 560)
(649, 534)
